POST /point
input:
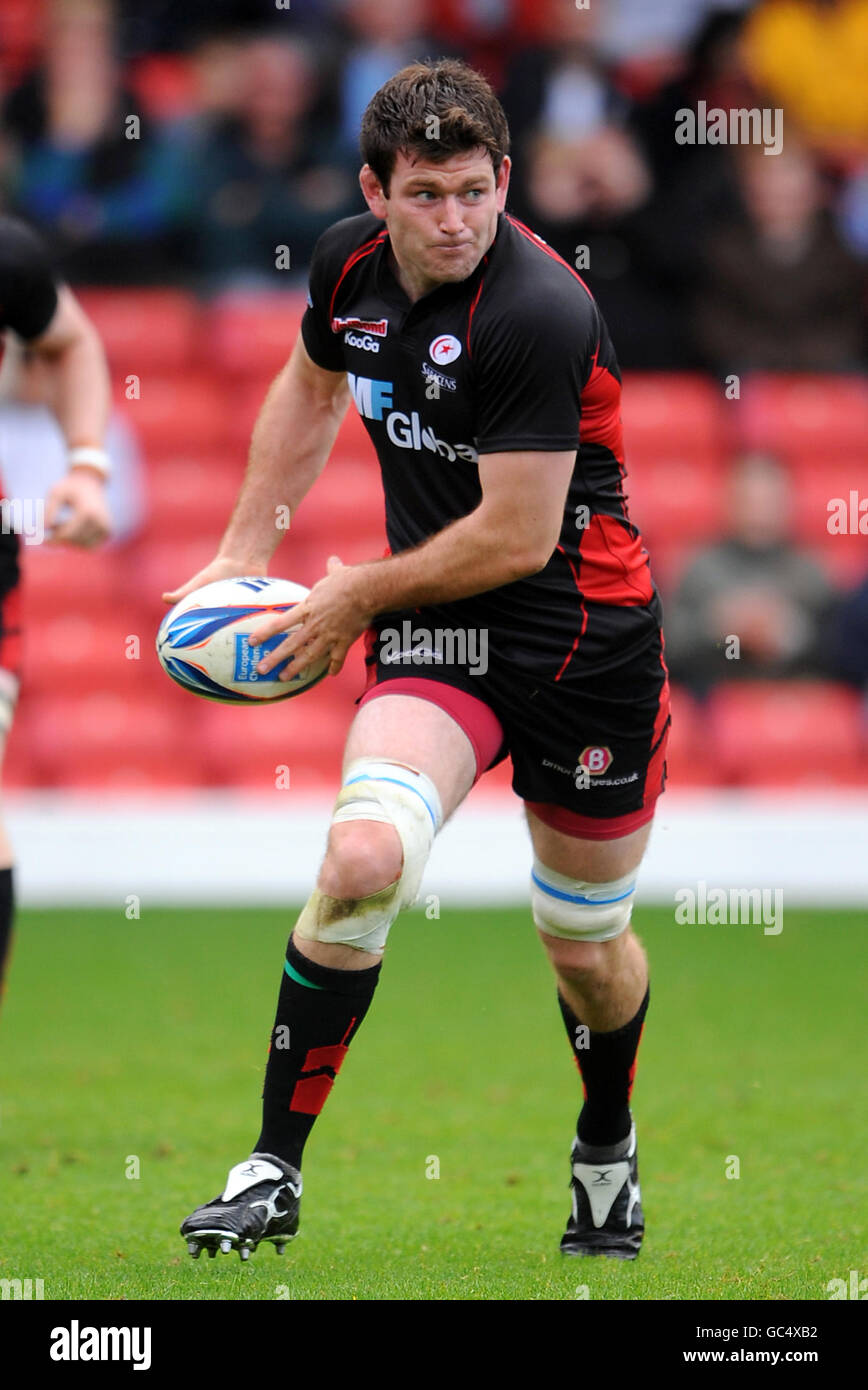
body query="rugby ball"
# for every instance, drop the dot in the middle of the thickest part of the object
(202, 641)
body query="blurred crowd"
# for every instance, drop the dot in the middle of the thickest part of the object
(211, 143)
(207, 145)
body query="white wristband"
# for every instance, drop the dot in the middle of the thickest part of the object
(94, 458)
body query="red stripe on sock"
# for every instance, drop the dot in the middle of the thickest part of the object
(311, 1094)
(331, 1056)
(635, 1060)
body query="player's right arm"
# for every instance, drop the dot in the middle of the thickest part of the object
(292, 439)
(51, 323)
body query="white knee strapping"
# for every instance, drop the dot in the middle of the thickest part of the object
(578, 911)
(394, 794)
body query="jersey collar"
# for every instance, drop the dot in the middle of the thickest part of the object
(389, 289)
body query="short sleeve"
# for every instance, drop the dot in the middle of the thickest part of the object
(28, 292)
(531, 364)
(323, 346)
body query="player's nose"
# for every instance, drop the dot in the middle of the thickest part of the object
(452, 220)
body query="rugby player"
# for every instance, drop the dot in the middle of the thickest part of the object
(50, 321)
(490, 390)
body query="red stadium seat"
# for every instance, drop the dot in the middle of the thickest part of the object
(22, 36)
(254, 334)
(20, 767)
(193, 495)
(167, 564)
(791, 732)
(344, 494)
(690, 757)
(343, 514)
(826, 415)
(669, 559)
(145, 331)
(244, 747)
(88, 737)
(675, 413)
(823, 495)
(246, 394)
(675, 496)
(120, 772)
(353, 441)
(165, 84)
(60, 578)
(177, 413)
(298, 741)
(843, 558)
(76, 653)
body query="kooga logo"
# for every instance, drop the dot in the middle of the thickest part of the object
(76, 1343)
(404, 431)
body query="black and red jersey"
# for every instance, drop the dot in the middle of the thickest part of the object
(28, 300)
(515, 357)
(28, 292)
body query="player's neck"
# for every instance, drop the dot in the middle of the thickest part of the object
(414, 286)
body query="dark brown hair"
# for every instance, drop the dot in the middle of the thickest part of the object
(398, 118)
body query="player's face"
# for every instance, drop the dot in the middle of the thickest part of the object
(441, 217)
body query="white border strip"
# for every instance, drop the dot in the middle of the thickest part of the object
(223, 848)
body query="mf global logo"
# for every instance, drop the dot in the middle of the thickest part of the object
(373, 398)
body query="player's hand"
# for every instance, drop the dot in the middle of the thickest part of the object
(81, 495)
(329, 620)
(220, 568)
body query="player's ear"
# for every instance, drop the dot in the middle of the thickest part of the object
(502, 182)
(372, 191)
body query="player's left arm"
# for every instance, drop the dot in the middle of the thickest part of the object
(509, 535)
(81, 400)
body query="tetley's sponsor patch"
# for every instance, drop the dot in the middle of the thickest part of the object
(379, 327)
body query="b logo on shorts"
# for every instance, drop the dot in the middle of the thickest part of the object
(596, 759)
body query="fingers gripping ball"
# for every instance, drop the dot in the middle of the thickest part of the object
(202, 641)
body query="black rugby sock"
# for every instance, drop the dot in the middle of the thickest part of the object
(607, 1064)
(319, 1012)
(7, 909)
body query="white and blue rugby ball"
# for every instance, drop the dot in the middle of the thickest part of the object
(202, 641)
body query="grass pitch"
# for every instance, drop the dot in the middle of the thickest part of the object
(133, 1056)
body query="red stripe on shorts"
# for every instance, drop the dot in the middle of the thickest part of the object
(590, 827)
(474, 716)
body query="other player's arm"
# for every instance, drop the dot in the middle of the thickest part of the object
(81, 400)
(292, 439)
(509, 535)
